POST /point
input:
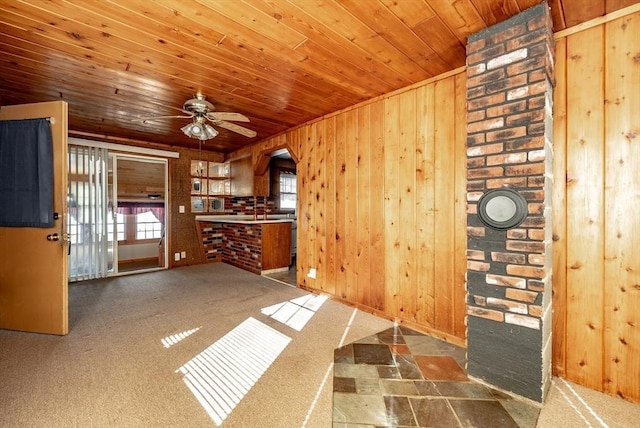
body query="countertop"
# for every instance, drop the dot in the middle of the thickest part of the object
(246, 219)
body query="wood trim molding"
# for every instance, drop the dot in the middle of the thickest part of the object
(125, 148)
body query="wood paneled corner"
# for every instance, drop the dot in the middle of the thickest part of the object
(381, 188)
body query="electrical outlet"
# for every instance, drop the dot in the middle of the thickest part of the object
(183, 254)
(176, 257)
(181, 209)
(312, 273)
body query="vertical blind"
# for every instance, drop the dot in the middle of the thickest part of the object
(91, 253)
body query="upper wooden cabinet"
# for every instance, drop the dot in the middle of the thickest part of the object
(243, 180)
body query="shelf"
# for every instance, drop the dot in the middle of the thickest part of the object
(209, 181)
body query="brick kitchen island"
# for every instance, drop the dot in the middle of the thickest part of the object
(260, 246)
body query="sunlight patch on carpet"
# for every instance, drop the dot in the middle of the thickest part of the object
(169, 341)
(221, 375)
(297, 312)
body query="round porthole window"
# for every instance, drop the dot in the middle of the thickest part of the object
(502, 209)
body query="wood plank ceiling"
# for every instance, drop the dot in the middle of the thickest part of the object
(278, 62)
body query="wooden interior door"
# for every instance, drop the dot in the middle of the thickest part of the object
(33, 270)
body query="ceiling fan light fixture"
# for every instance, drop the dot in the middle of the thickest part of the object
(187, 129)
(201, 131)
(210, 131)
(200, 111)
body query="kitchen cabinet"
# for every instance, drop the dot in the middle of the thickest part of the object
(276, 245)
(259, 246)
(243, 180)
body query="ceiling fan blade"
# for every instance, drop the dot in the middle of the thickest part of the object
(225, 115)
(235, 128)
(151, 118)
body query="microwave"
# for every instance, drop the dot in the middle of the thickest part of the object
(216, 205)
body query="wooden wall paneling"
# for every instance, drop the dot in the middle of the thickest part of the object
(381, 187)
(460, 200)
(340, 211)
(316, 243)
(292, 147)
(294, 138)
(425, 110)
(363, 239)
(408, 220)
(302, 175)
(311, 236)
(622, 205)
(329, 193)
(444, 191)
(391, 205)
(351, 203)
(559, 208)
(377, 204)
(585, 276)
(387, 183)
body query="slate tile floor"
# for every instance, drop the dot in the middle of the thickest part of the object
(403, 378)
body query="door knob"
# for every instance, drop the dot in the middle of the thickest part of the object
(53, 237)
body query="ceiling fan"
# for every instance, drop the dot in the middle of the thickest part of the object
(201, 112)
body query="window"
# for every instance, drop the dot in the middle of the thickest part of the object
(121, 225)
(137, 222)
(287, 191)
(148, 226)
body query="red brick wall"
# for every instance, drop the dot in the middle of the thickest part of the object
(234, 243)
(242, 246)
(247, 205)
(509, 124)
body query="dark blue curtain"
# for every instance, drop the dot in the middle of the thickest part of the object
(26, 173)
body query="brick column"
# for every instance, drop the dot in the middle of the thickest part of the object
(509, 126)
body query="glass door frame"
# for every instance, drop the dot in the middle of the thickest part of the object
(112, 197)
(124, 150)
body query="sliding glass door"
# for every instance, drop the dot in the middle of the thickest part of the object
(116, 213)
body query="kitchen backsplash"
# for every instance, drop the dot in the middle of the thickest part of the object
(248, 205)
